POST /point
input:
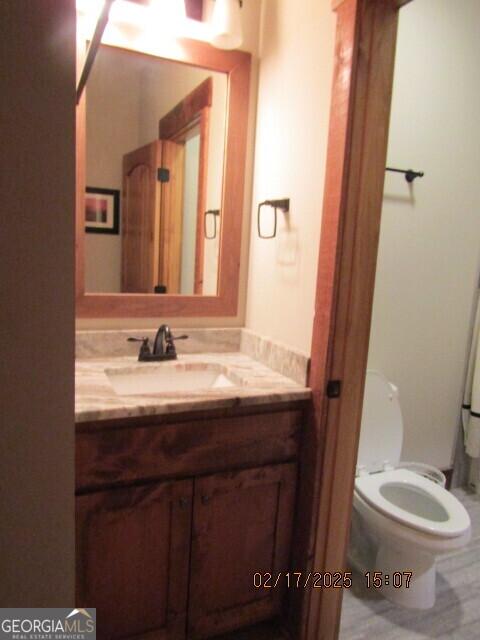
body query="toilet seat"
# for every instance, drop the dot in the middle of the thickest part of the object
(433, 510)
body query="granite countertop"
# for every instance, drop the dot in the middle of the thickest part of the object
(95, 398)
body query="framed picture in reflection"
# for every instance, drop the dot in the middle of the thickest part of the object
(102, 210)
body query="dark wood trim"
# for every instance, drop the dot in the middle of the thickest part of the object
(194, 9)
(232, 409)
(117, 305)
(360, 110)
(193, 110)
(186, 111)
(185, 448)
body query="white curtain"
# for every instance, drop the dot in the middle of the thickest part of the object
(471, 407)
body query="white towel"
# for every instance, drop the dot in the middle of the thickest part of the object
(471, 400)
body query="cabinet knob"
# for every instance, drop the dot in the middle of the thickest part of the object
(205, 499)
(183, 502)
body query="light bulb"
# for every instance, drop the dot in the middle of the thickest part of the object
(158, 13)
(226, 24)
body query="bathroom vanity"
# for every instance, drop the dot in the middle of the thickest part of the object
(182, 498)
(187, 472)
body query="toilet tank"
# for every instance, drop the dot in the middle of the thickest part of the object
(381, 434)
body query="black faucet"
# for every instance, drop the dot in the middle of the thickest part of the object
(163, 346)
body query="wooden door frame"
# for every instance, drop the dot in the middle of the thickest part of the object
(193, 110)
(356, 157)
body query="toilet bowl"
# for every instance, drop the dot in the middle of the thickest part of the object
(404, 519)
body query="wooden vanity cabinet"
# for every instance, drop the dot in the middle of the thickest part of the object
(242, 524)
(133, 548)
(174, 556)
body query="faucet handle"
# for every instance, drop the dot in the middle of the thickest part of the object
(169, 339)
(170, 344)
(145, 347)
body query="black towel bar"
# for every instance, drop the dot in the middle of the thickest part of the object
(283, 204)
(410, 174)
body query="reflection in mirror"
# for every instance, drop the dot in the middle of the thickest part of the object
(156, 135)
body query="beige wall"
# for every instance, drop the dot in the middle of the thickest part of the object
(428, 263)
(292, 125)
(113, 104)
(37, 112)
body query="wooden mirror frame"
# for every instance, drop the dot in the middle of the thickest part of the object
(236, 64)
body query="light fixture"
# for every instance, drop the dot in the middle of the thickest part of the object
(155, 14)
(161, 15)
(122, 22)
(226, 24)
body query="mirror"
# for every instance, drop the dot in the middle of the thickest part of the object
(219, 296)
(155, 140)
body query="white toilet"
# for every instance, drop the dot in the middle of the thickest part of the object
(401, 520)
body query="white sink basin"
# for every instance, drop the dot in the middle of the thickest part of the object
(164, 378)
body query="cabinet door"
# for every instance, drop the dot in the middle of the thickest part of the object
(133, 558)
(242, 524)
